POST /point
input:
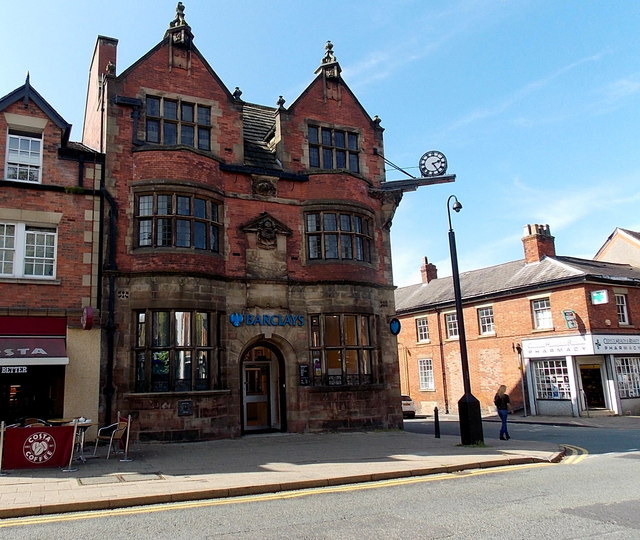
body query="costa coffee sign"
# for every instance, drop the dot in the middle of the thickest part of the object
(39, 448)
(23, 348)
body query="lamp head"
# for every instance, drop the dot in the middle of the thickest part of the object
(457, 206)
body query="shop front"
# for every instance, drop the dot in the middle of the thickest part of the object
(37, 377)
(580, 375)
(33, 359)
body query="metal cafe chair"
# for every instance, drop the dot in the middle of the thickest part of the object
(112, 433)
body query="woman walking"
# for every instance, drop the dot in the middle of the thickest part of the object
(502, 401)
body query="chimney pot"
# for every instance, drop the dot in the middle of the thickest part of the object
(428, 271)
(538, 243)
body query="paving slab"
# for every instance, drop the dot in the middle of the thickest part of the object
(171, 472)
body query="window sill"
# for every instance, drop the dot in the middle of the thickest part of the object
(146, 250)
(487, 335)
(30, 281)
(352, 262)
(427, 390)
(425, 342)
(542, 330)
(31, 182)
(344, 387)
(178, 395)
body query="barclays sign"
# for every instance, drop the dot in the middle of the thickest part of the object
(265, 319)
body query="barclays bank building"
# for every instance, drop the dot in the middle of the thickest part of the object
(247, 283)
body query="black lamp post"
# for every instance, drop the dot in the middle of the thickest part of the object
(468, 405)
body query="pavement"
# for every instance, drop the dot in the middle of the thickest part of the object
(269, 463)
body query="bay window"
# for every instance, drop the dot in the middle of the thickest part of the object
(177, 220)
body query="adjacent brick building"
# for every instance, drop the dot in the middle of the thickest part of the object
(247, 281)
(560, 332)
(49, 263)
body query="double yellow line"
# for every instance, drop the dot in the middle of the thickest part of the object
(574, 454)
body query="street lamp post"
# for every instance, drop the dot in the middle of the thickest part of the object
(468, 405)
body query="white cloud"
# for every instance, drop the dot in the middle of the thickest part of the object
(621, 89)
(519, 95)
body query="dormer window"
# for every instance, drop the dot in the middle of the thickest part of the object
(173, 121)
(24, 157)
(333, 149)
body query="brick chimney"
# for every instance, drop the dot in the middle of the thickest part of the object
(429, 271)
(103, 66)
(538, 243)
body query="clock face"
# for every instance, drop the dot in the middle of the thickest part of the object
(433, 163)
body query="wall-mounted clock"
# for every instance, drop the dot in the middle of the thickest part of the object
(433, 163)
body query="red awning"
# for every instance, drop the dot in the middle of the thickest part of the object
(33, 351)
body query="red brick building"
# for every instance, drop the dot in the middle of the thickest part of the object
(49, 263)
(560, 332)
(248, 281)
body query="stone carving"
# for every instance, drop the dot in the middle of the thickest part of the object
(179, 20)
(267, 235)
(264, 186)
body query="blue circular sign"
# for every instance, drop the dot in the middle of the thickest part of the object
(395, 326)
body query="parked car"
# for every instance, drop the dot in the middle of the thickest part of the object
(408, 407)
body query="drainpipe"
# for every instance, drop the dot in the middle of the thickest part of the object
(518, 349)
(111, 268)
(445, 390)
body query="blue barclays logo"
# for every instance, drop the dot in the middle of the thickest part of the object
(265, 319)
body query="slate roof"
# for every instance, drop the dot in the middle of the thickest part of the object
(28, 92)
(80, 147)
(259, 122)
(511, 278)
(632, 234)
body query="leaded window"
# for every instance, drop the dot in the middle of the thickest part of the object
(174, 351)
(342, 349)
(333, 149)
(174, 121)
(342, 236)
(177, 220)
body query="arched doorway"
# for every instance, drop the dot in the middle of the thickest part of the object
(263, 389)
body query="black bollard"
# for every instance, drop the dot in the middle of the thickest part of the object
(436, 421)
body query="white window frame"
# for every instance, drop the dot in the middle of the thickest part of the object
(451, 325)
(425, 374)
(28, 245)
(486, 322)
(422, 330)
(32, 162)
(622, 309)
(541, 313)
(551, 378)
(628, 376)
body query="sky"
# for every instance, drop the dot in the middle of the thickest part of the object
(535, 103)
